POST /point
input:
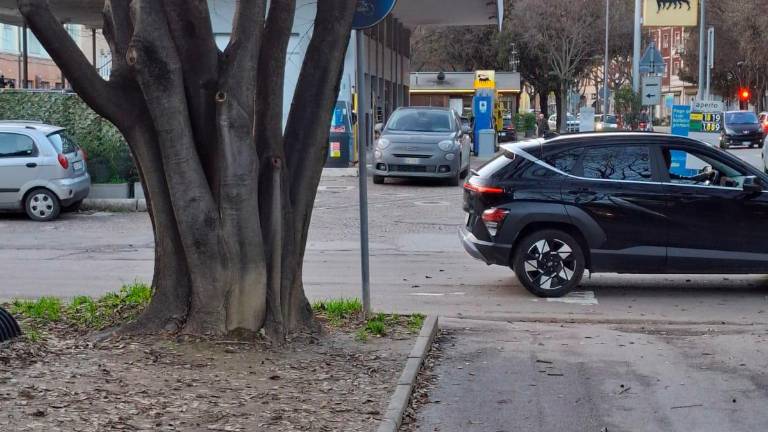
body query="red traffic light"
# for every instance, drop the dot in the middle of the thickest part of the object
(744, 94)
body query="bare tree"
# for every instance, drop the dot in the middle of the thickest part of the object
(230, 193)
(567, 34)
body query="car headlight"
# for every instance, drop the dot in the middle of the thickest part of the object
(383, 143)
(449, 145)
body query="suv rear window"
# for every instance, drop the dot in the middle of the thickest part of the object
(62, 142)
(501, 166)
(16, 145)
(618, 163)
(565, 161)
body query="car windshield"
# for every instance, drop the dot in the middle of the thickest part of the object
(740, 117)
(62, 142)
(412, 120)
(610, 119)
(507, 121)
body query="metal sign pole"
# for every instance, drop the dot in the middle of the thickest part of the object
(606, 102)
(702, 46)
(362, 136)
(710, 59)
(636, 51)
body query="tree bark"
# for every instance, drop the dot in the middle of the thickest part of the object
(229, 194)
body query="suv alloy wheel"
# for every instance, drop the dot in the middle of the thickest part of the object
(549, 263)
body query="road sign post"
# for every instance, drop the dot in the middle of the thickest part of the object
(651, 94)
(368, 14)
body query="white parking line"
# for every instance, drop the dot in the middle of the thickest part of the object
(584, 298)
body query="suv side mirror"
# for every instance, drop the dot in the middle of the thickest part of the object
(752, 185)
(378, 127)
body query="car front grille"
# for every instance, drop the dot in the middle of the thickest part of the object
(417, 156)
(413, 168)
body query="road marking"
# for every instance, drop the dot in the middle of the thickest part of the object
(584, 298)
(431, 203)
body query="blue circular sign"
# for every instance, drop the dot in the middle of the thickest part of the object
(371, 12)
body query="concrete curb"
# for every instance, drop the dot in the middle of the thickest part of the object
(402, 396)
(115, 205)
(339, 172)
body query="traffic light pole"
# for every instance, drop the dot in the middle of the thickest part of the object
(606, 102)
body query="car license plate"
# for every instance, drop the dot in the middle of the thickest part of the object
(77, 166)
(412, 161)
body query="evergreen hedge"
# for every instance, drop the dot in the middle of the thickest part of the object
(109, 159)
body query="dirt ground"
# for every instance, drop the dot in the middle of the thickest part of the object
(333, 383)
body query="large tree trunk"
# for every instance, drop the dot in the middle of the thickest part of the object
(229, 194)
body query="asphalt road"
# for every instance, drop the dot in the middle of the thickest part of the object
(505, 377)
(417, 264)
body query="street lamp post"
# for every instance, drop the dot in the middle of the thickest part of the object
(606, 102)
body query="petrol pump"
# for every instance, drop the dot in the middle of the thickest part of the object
(484, 105)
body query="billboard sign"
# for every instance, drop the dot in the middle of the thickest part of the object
(705, 106)
(681, 120)
(671, 13)
(371, 12)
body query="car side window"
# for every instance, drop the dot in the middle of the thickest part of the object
(630, 163)
(689, 167)
(565, 161)
(16, 145)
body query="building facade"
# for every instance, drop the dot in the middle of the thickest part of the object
(456, 90)
(671, 42)
(42, 72)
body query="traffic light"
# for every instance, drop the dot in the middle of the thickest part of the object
(744, 96)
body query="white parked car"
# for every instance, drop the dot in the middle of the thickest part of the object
(42, 170)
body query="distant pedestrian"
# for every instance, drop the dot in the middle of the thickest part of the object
(542, 125)
(2, 81)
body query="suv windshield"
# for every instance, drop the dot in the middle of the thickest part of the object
(740, 117)
(412, 120)
(62, 142)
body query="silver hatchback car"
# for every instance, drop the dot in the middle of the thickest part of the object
(42, 171)
(422, 142)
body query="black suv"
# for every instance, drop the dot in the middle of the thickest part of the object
(615, 203)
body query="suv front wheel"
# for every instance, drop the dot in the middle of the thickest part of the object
(549, 263)
(42, 205)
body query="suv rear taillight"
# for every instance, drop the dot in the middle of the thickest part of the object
(63, 161)
(492, 218)
(472, 186)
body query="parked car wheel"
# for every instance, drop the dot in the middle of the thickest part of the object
(549, 263)
(378, 179)
(42, 205)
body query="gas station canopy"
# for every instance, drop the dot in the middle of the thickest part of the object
(410, 12)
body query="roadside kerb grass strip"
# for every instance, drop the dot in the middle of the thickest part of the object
(393, 417)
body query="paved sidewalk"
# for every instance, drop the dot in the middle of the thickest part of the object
(566, 377)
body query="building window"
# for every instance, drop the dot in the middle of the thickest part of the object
(666, 41)
(8, 41)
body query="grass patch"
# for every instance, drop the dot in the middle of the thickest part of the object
(415, 322)
(83, 312)
(338, 311)
(46, 309)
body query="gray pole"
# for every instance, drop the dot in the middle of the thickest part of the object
(362, 138)
(25, 57)
(702, 47)
(606, 102)
(636, 51)
(710, 59)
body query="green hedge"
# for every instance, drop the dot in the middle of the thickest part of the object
(109, 159)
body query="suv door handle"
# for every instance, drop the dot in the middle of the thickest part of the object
(31, 165)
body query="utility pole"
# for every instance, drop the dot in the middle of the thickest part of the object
(710, 59)
(606, 102)
(636, 51)
(702, 47)
(362, 138)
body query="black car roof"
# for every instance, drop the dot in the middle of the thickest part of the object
(538, 147)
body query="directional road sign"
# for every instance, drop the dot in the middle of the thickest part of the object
(651, 90)
(371, 12)
(652, 61)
